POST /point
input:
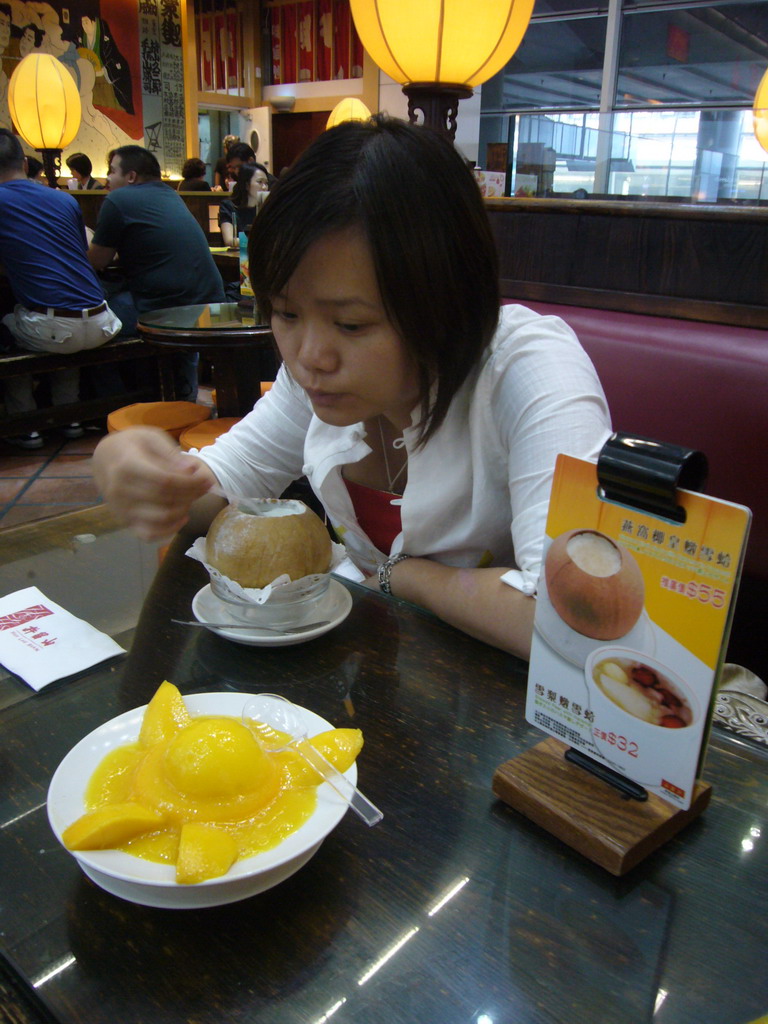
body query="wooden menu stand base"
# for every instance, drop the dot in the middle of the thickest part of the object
(587, 813)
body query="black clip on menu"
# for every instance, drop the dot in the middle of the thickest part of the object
(643, 474)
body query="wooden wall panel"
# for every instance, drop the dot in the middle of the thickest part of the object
(694, 262)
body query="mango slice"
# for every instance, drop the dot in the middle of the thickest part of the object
(339, 746)
(166, 714)
(110, 826)
(204, 852)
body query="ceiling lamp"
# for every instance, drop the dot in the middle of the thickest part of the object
(45, 107)
(438, 50)
(760, 113)
(348, 109)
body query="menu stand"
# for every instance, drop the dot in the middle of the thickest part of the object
(585, 812)
(612, 821)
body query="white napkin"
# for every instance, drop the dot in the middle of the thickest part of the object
(41, 641)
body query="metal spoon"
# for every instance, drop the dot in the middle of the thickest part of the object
(285, 630)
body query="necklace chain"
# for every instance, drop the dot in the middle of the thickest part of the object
(391, 480)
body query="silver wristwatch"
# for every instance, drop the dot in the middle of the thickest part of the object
(384, 571)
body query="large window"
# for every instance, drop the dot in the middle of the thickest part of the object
(697, 57)
(660, 106)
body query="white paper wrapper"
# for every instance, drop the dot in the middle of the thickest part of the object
(41, 641)
(257, 595)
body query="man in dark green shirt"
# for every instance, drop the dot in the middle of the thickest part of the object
(163, 254)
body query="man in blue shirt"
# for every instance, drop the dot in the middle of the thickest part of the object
(161, 248)
(60, 303)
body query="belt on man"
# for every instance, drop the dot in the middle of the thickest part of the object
(73, 314)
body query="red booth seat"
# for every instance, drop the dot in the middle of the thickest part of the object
(700, 385)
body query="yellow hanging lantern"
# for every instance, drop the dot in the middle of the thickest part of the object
(348, 109)
(457, 42)
(440, 47)
(45, 107)
(760, 113)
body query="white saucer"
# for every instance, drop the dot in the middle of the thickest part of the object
(335, 605)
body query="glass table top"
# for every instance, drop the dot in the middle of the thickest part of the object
(84, 562)
(454, 909)
(207, 317)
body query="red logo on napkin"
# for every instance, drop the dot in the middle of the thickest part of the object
(35, 611)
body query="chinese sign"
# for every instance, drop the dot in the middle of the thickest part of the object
(162, 82)
(632, 616)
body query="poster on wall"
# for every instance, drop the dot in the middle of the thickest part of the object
(126, 62)
(162, 82)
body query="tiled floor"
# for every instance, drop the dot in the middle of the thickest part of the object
(54, 479)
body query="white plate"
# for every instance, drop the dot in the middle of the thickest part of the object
(335, 605)
(154, 885)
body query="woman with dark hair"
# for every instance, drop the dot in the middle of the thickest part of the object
(36, 171)
(426, 420)
(81, 168)
(249, 193)
(193, 176)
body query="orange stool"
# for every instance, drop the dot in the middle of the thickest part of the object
(173, 417)
(205, 433)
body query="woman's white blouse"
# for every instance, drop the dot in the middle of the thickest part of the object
(478, 491)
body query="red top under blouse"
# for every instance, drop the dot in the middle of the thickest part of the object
(376, 514)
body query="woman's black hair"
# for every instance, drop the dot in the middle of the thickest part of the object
(33, 167)
(416, 200)
(244, 175)
(193, 168)
(81, 163)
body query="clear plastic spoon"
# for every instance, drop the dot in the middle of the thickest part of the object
(262, 716)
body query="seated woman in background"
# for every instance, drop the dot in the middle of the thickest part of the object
(193, 177)
(36, 171)
(250, 191)
(426, 419)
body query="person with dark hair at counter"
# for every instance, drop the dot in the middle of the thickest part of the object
(81, 168)
(220, 173)
(193, 176)
(239, 153)
(36, 171)
(250, 191)
(60, 303)
(163, 254)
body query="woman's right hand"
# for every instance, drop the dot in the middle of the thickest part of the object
(147, 482)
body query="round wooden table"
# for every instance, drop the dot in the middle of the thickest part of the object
(240, 349)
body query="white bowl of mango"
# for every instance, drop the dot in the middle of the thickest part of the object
(180, 804)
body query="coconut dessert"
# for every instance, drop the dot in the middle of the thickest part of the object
(254, 546)
(594, 585)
